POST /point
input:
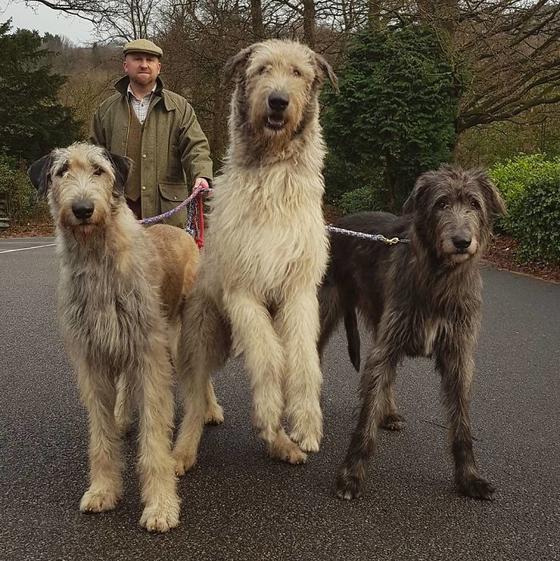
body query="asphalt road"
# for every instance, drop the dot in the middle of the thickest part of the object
(240, 505)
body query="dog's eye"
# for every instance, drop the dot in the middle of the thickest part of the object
(442, 204)
(62, 170)
(296, 73)
(97, 171)
(262, 69)
(475, 204)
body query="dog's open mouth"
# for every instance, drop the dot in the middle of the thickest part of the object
(275, 123)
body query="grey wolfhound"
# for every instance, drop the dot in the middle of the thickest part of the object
(265, 254)
(121, 289)
(417, 299)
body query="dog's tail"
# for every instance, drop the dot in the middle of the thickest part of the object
(352, 335)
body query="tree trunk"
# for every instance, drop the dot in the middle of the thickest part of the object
(309, 22)
(257, 20)
(374, 15)
(442, 14)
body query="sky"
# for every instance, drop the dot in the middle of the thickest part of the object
(43, 19)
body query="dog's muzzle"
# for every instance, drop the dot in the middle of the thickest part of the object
(277, 104)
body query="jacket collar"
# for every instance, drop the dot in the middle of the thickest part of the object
(121, 86)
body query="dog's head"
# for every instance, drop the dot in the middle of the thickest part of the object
(277, 85)
(84, 184)
(453, 212)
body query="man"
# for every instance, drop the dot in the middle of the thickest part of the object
(158, 130)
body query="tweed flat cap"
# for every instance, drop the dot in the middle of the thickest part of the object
(142, 46)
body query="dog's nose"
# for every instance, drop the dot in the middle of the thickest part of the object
(461, 242)
(82, 209)
(278, 101)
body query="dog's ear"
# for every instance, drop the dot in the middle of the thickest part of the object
(238, 61)
(326, 70)
(122, 167)
(39, 173)
(494, 201)
(410, 204)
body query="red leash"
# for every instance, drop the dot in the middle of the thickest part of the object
(199, 231)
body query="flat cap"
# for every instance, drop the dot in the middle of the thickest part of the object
(142, 46)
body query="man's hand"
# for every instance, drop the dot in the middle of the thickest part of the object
(201, 182)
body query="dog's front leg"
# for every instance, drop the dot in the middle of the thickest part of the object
(378, 375)
(155, 462)
(456, 365)
(254, 335)
(97, 392)
(297, 323)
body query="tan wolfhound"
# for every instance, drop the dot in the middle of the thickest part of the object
(122, 288)
(265, 254)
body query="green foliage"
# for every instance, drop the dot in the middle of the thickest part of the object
(536, 221)
(513, 177)
(530, 186)
(394, 117)
(22, 197)
(32, 121)
(358, 200)
(536, 131)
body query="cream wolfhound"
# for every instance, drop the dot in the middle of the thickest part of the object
(265, 255)
(122, 289)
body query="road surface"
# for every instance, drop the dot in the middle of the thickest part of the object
(240, 505)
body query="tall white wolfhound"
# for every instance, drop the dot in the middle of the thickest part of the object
(265, 254)
(122, 288)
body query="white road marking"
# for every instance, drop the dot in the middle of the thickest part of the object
(26, 248)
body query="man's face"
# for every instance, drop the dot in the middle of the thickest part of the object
(142, 68)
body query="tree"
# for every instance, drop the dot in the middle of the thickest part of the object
(394, 117)
(32, 121)
(257, 20)
(114, 19)
(309, 22)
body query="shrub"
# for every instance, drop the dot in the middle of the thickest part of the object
(358, 200)
(394, 117)
(513, 177)
(23, 203)
(535, 220)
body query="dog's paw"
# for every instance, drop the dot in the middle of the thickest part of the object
(214, 415)
(98, 501)
(160, 519)
(287, 451)
(348, 484)
(476, 487)
(183, 463)
(294, 456)
(393, 422)
(307, 442)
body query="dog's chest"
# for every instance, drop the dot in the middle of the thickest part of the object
(428, 334)
(268, 228)
(106, 316)
(421, 331)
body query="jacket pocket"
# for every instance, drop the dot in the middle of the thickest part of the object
(170, 195)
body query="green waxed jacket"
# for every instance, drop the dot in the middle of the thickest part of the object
(175, 151)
